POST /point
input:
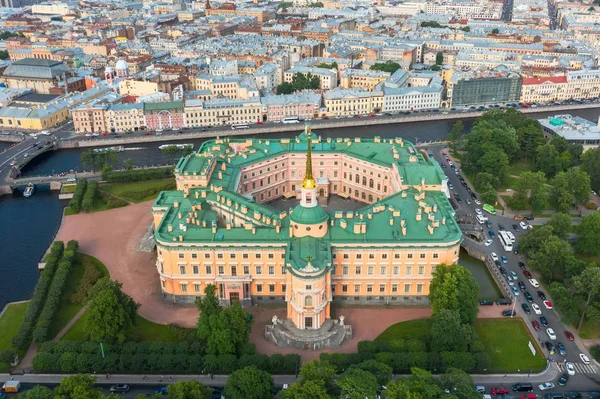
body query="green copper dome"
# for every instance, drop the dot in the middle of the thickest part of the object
(303, 215)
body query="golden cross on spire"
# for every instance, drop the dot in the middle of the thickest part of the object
(309, 180)
(309, 257)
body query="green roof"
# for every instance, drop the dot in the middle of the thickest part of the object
(163, 106)
(409, 218)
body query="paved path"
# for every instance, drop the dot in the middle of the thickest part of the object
(70, 324)
(27, 361)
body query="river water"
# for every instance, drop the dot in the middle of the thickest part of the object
(27, 225)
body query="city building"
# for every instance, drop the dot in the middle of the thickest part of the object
(350, 102)
(303, 105)
(166, 115)
(37, 74)
(551, 88)
(219, 228)
(222, 111)
(363, 79)
(487, 86)
(126, 117)
(328, 78)
(574, 129)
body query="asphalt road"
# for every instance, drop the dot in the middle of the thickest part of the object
(18, 152)
(586, 376)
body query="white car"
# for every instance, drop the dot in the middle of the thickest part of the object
(584, 358)
(488, 242)
(546, 386)
(523, 225)
(494, 256)
(534, 282)
(477, 202)
(570, 368)
(551, 334)
(536, 308)
(478, 211)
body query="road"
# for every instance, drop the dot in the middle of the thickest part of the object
(18, 152)
(586, 376)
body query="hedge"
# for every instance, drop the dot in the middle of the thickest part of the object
(139, 194)
(91, 274)
(75, 203)
(128, 176)
(59, 282)
(150, 357)
(88, 198)
(23, 337)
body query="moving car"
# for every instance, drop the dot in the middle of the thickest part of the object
(528, 296)
(584, 358)
(488, 242)
(551, 334)
(516, 227)
(548, 304)
(491, 234)
(523, 225)
(504, 259)
(513, 275)
(541, 295)
(561, 349)
(569, 336)
(562, 381)
(119, 388)
(544, 321)
(522, 286)
(549, 346)
(534, 283)
(546, 386)
(527, 274)
(570, 368)
(536, 308)
(494, 256)
(535, 325)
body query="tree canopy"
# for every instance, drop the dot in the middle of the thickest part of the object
(358, 384)
(188, 390)
(588, 235)
(249, 383)
(388, 66)
(300, 81)
(454, 288)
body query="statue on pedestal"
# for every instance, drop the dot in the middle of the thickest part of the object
(274, 320)
(342, 320)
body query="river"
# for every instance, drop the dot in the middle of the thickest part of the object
(28, 225)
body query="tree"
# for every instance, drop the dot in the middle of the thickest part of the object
(490, 134)
(455, 134)
(435, 68)
(249, 383)
(454, 288)
(388, 66)
(333, 65)
(79, 386)
(318, 4)
(459, 383)
(431, 24)
(561, 224)
(97, 160)
(285, 88)
(549, 259)
(308, 389)
(381, 371)
(567, 303)
(448, 334)
(188, 390)
(588, 284)
(3, 55)
(495, 162)
(285, 4)
(129, 164)
(358, 384)
(419, 385)
(465, 28)
(439, 58)
(590, 162)
(572, 186)
(530, 136)
(111, 312)
(588, 238)
(482, 178)
(495, 31)
(489, 195)
(239, 323)
(532, 187)
(318, 370)
(37, 392)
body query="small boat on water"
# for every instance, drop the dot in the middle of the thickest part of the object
(179, 146)
(107, 149)
(29, 190)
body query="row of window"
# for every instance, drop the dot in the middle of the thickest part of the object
(232, 255)
(357, 289)
(344, 256)
(233, 270)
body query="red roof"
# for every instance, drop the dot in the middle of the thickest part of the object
(539, 81)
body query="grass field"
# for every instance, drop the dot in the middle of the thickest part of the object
(589, 330)
(418, 328)
(520, 166)
(9, 325)
(68, 309)
(143, 330)
(102, 202)
(68, 188)
(505, 342)
(140, 191)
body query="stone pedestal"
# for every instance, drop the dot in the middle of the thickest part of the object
(285, 335)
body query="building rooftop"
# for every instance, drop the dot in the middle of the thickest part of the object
(572, 128)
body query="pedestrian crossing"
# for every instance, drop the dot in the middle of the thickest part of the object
(580, 368)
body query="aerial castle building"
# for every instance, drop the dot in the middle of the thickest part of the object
(218, 227)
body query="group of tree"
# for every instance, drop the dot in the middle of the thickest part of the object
(590, 162)
(75, 203)
(300, 81)
(102, 160)
(316, 4)
(388, 66)
(225, 331)
(333, 65)
(174, 151)
(439, 58)
(3, 54)
(130, 176)
(431, 24)
(574, 284)
(284, 5)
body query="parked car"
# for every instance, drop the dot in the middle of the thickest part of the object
(527, 274)
(562, 381)
(499, 391)
(488, 242)
(504, 302)
(545, 386)
(508, 313)
(522, 286)
(494, 256)
(584, 358)
(486, 302)
(528, 296)
(504, 259)
(119, 388)
(534, 283)
(516, 227)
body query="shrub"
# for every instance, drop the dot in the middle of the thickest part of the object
(595, 352)
(75, 203)
(87, 204)
(59, 282)
(91, 274)
(128, 176)
(111, 201)
(7, 356)
(23, 337)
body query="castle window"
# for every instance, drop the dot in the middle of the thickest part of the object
(308, 301)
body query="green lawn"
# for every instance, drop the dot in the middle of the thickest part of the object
(588, 258)
(589, 330)
(143, 330)
(506, 343)
(102, 202)
(520, 166)
(418, 328)
(68, 188)
(68, 309)
(140, 191)
(9, 325)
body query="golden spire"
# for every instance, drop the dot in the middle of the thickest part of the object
(309, 180)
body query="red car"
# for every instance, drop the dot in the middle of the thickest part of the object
(536, 325)
(526, 274)
(358, 116)
(444, 154)
(105, 133)
(500, 391)
(147, 133)
(570, 336)
(529, 396)
(259, 123)
(371, 115)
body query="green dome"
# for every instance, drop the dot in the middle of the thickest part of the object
(303, 215)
